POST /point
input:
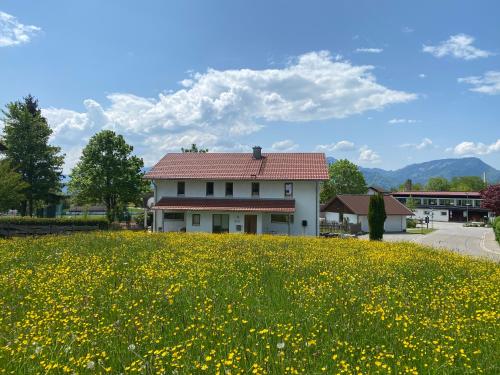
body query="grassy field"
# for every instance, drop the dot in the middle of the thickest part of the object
(123, 302)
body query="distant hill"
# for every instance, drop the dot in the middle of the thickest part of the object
(421, 172)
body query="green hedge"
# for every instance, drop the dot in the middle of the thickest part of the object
(496, 228)
(101, 222)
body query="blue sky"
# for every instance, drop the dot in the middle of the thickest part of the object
(383, 83)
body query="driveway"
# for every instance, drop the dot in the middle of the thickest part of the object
(479, 242)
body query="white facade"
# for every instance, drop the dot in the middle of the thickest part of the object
(305, 194)
(393, 223)
(438, 214)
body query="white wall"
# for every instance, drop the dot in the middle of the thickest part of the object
(305, 193)
(434, 214)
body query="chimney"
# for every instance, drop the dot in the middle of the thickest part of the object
(257, 152)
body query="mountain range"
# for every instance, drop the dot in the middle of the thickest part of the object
(421, 172)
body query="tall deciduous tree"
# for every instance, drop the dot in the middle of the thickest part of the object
(12, 187)
(467, 183)
(491, 198)
(108, 173)
(376, 217)
(26, 138)
(437, 184)
(344, 178)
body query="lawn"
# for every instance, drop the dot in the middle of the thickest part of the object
(419, 230)
(124, 302)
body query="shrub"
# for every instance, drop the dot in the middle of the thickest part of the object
(496, 228)
(101, 222)
(411, 223)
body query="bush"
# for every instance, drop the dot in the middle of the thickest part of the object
(496, 228)
(139, 219)
(411, 223)
(102, 222)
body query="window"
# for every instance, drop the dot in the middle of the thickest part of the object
(229, 189)
(444, 213)
(281, 218)
(210, 189)
(195, 220)
(173, 215)
(220, 223)
(181, 187)
(255, 189)
(288, 189)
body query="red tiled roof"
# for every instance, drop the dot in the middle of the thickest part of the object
(444, 194)
(240, 166)
(225, 204)
(358, 204)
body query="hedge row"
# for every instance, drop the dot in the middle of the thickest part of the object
(496, 228)
(101, 222)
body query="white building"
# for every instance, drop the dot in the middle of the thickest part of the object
(446, 205)
(354, 208)
(276, 193)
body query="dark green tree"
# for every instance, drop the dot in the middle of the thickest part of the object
(26, 139)
(12, 187)
(376, 217)
(109, 174)
(345, 178)
(437, 184)
(194, 148)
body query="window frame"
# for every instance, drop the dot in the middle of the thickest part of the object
(290, 195)
(165, 214)
(285, 216)
(212, 185)
(226, 189)
(193, 223)
(179, 184)
(253, 193)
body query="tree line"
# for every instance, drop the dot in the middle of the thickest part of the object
(31, 168)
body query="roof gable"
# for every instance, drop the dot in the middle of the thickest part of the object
(241, 166)
(359, 203)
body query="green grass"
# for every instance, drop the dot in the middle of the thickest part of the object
(419, 230)
(129, 302)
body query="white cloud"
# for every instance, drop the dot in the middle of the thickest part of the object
(425, 144)
(367, 155)
(369, 50)
(471, 148)
(284, 145)
(12, 32)
(407, 29)
(489, 83)
(218, 108)
(338, 146)
(422, 75)
(459, 46)
(402, 121)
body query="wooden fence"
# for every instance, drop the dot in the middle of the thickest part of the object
(11, 230)
(331, 227)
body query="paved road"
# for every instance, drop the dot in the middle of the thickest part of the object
(454, 236)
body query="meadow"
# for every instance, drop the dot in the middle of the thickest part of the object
(125, 302)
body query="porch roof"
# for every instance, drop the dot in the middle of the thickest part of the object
(225, 204)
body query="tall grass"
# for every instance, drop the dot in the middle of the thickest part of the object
(123, 302)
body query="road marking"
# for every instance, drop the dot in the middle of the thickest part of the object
(481, 243)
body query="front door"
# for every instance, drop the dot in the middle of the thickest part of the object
(251, 224)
